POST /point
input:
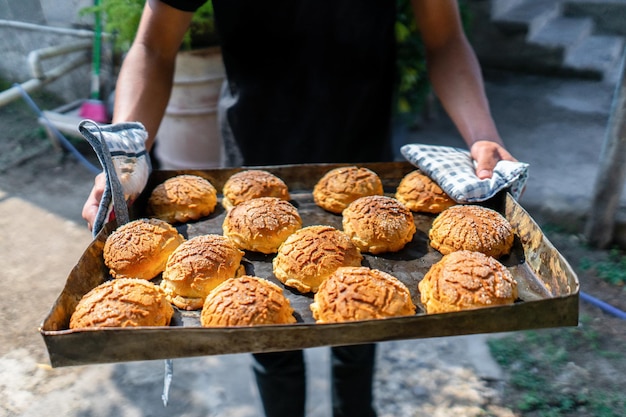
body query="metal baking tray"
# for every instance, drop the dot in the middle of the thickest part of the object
(548, 287)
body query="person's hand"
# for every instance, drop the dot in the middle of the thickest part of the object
(90, 209)
(487, 154)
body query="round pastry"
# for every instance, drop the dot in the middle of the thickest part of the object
(420, 193)
(246, 301)
(341, 186)
(465, 280)
(378, 224)
(252, 183)
(139, 249)
(197, 266)
(182, 198)
(311, 254)
(360, 293)
(124, 302)
(261, 224)
(471, 227)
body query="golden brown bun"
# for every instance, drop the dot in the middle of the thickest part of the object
(252, 183)
(421, 194)
(341, 186)
(471, 227)
(197, 266)
(139, 249)
(261, 224)
(246, 301)
(360, 293)
(124, 302)
(378, 224)
(182, 198)
(465, 280)
(311, 254)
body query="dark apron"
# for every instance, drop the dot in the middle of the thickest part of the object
(309, 81)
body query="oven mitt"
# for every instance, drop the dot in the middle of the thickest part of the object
(454, 170)
(122, 153)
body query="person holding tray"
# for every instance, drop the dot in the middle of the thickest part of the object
(308, 82)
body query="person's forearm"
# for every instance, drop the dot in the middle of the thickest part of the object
(143, 89)
(457, 80)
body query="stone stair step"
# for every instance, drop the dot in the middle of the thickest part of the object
(599, 53)
(608, 15)
(563, 32)
(527, 17)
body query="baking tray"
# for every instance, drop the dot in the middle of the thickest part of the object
(548, 287)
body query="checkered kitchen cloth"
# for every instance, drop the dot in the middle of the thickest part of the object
(453, 169)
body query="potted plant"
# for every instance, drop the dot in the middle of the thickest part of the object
(188, 137)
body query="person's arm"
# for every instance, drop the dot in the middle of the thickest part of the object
(145, 80)
(457, 80)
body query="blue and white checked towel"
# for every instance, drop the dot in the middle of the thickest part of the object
(454, 170)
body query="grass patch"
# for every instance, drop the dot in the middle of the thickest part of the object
(612, 270)
(542, 373)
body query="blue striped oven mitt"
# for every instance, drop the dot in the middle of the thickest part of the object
(453, 170)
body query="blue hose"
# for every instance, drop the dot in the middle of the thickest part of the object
(66, 143)
(603, 306)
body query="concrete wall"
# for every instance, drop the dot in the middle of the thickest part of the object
(52, 22)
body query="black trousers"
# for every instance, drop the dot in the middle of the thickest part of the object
(281, 379)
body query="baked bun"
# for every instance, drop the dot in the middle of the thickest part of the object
(471, 227)
(341, 186)
(124, 302)
(360, 293)
(261, 224)
(311, 254)
(197, 266)
(252, 183)
(378, 224)
(246, 301)
(182, 198)
(465, 280)
(421, 194)
(139, 249)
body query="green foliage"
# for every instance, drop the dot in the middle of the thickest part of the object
(412, 81)
(122, 17)
(535, 360)
(613, 270)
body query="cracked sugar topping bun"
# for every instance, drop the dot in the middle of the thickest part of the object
(182, 198)
(465, 280)
(341, 186)
(473, 228)
(246, 301)
(378, 224)
(198, 266)
(311, 254)
(419, 193)
(139, 249)
(252, 183)
(261, 224)
(360, 293)
(124, 302)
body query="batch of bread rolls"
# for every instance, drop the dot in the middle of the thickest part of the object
(206, 272)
